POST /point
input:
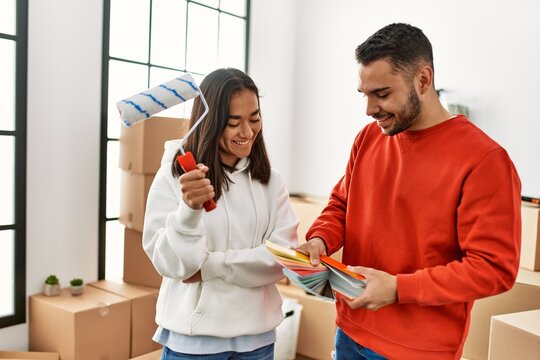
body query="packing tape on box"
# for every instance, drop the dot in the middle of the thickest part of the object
(103, 308)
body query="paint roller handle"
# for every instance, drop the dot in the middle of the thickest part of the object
(187, 162)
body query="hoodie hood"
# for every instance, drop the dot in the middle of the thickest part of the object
(241, 165)
(170, 148)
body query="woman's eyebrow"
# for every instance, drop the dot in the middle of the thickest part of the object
(239, 117)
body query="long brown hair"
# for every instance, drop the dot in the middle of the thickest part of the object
(218, 88)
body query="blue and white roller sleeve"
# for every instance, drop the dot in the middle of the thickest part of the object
(147, 103)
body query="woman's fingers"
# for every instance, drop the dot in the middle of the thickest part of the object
(195, 187)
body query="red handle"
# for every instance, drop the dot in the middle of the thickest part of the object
(187, 162)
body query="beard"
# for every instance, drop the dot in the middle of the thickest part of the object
(407, 115)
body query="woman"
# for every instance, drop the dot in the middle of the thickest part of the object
(218, 295)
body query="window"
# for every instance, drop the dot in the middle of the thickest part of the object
(157, 41)
(13, 39)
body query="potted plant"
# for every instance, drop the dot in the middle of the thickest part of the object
(51, 286)
(76, 286)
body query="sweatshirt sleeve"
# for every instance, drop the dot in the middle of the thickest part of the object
(256, 267)
(173, 236)
(489, 235)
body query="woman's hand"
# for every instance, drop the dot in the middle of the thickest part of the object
(195, 187)
(194, 278)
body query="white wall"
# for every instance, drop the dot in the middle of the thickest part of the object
(486, 56)
(272, 67)
(64, 86)
(302, 58)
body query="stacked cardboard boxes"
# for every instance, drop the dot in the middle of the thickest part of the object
(500, 314)
(141, 150)
(113, 320)
(524, 296)
(94, 325)
(515, 336)
(142, 302)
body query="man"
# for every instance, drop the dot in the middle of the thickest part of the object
(428, 210)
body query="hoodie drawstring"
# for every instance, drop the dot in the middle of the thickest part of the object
(252, 193)
(228, 219)
(253, 242)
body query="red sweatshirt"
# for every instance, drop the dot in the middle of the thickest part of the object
(440, 208)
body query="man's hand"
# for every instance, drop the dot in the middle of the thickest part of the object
(195, 187)
(381, 289)
(194, 278)
(315, 247)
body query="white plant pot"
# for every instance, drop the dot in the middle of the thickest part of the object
(76, 290)
(51, 290)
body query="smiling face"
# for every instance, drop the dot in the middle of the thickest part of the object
(243, 125)
(392, 99)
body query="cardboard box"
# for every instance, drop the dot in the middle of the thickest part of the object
(515, 336)
(143, 312)
(133, 193)
(308, 209)
(317, 323)
(524, 296)
(154, 355)
(530, 237)
(141, 145)
(93, 325)
(138, 269)
(27, 355)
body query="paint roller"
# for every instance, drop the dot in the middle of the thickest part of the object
(143, 105)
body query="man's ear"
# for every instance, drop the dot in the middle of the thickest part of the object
(424, 79)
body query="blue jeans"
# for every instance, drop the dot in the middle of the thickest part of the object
(348, 349)
(263, 353)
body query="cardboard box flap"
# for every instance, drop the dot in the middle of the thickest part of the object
(515, 336)
(528, 321)
(530, 237)
(90, 299)
(528, 277)
(29, 355)
(120, 288)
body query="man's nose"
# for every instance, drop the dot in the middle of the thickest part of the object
(372, 107)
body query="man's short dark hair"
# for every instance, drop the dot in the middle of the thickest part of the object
(403, 45)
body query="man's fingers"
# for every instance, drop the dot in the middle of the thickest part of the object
(316, 248)
(313, 248)
(362, 301)
(314, 258)
(360, 270)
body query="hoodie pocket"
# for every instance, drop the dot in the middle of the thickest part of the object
(200, 308)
